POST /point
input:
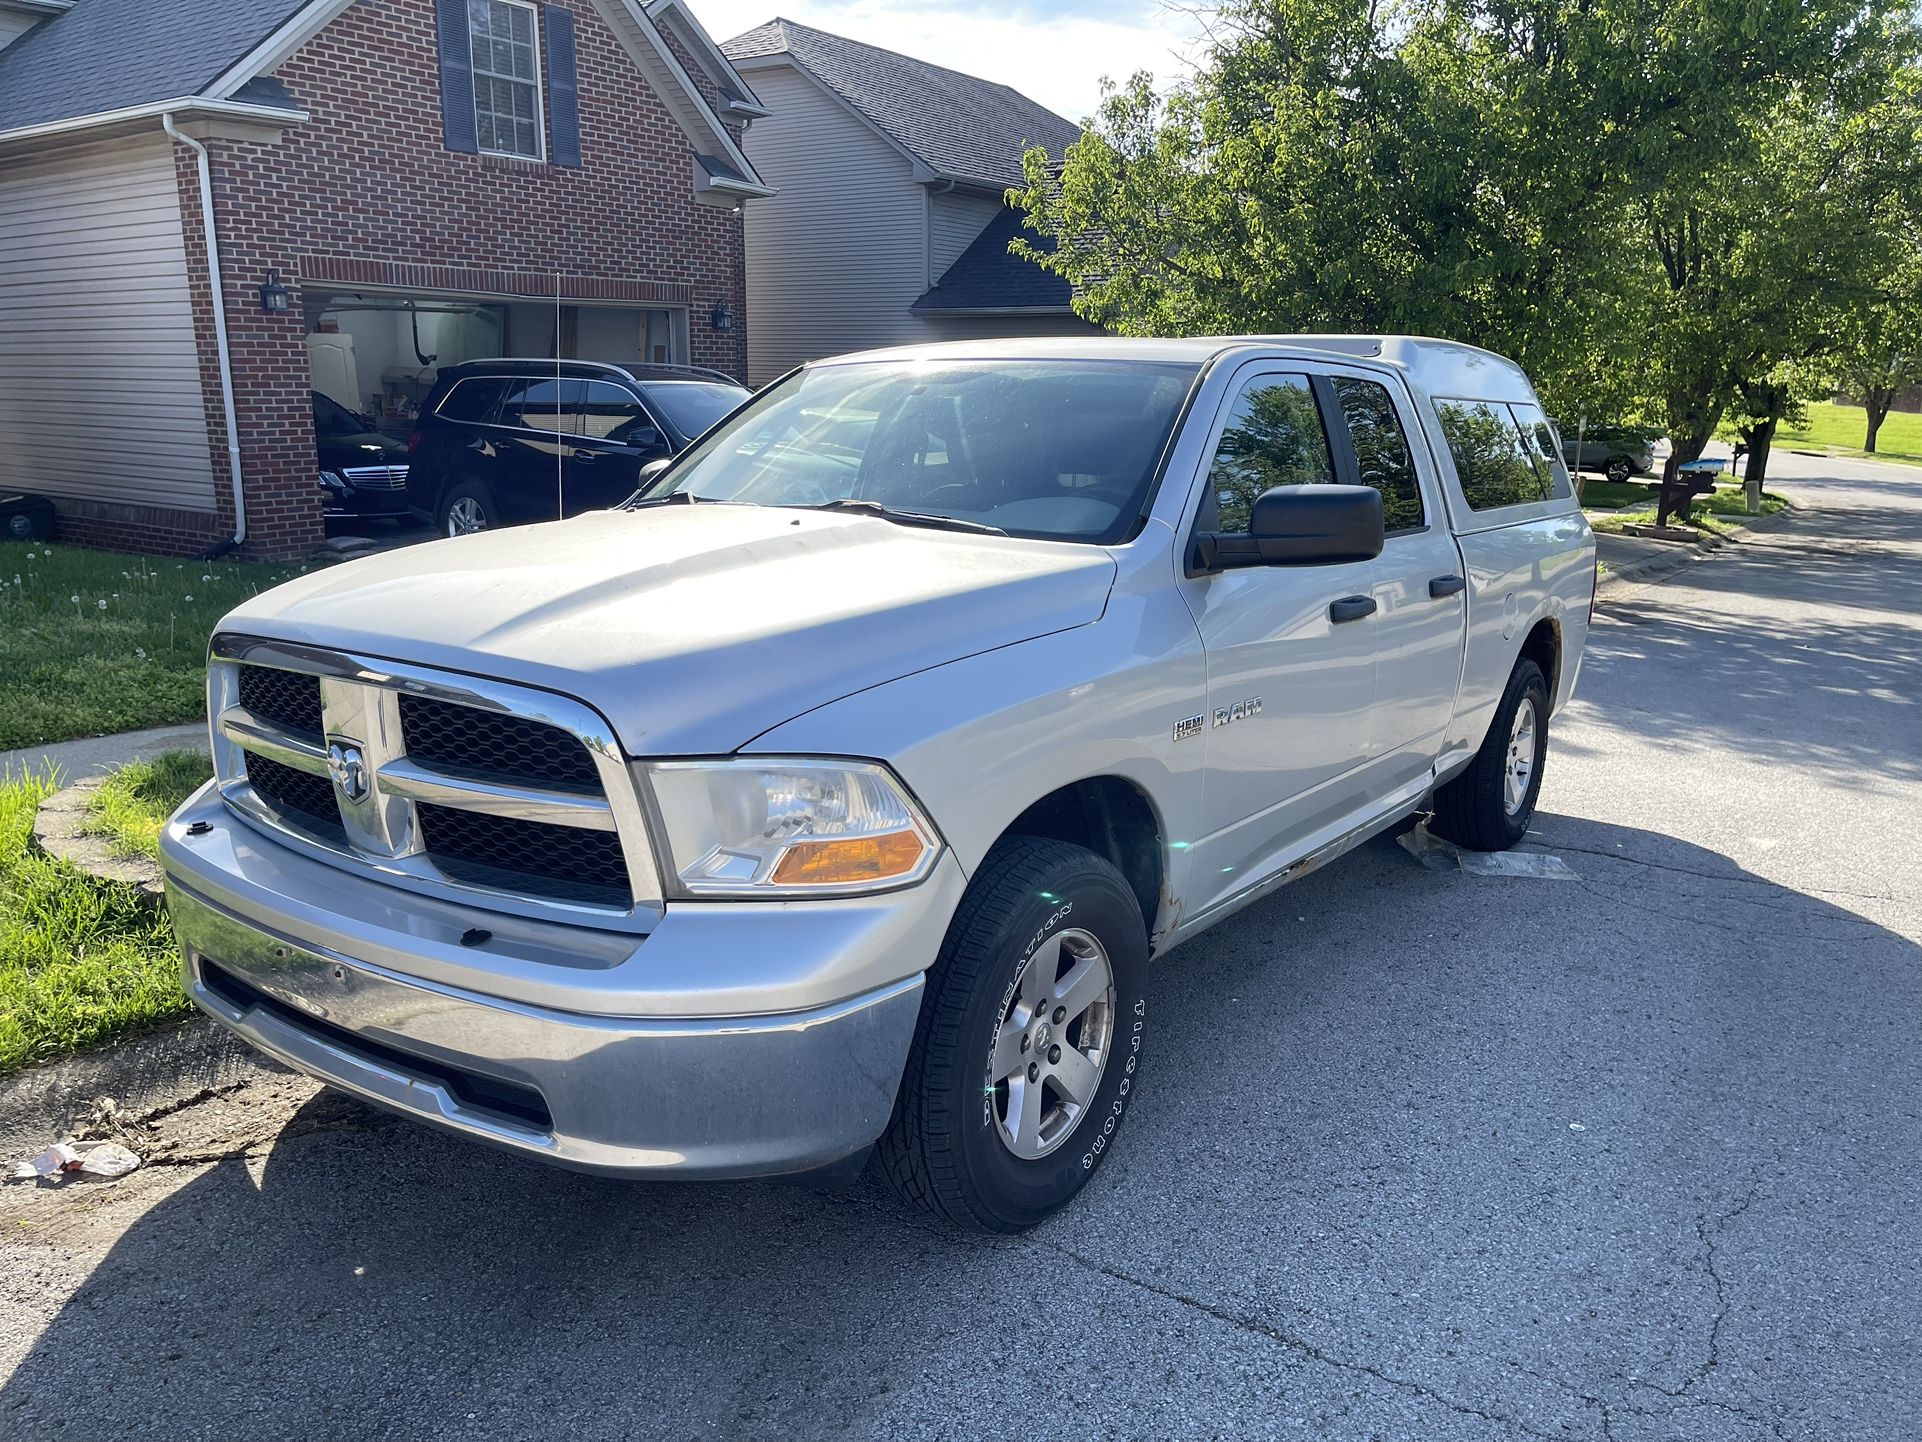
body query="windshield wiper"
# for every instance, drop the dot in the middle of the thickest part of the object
(908, 518)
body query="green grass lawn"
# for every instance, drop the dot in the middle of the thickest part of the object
(1605, 495)
(81, 962)
(1845, 427)
(96, 641)
(134, 802)
(1724, 511)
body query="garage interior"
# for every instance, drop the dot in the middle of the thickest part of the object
(379, 353)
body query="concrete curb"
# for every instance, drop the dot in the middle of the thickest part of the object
(1654, 567)
(180, 1060)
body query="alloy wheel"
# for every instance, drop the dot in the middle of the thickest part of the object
(465, 516)
(1519, 769)
(1053, 1044)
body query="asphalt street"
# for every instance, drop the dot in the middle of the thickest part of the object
(1419, 1154)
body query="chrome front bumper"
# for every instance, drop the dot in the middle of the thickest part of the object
(634, 1095)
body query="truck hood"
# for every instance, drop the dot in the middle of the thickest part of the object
(692, 628)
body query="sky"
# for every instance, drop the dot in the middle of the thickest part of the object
(1054, 53)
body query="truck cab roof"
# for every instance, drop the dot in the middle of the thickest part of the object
(1432, 367)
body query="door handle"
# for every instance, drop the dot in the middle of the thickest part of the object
(1446, 586)
(1351, 608)
(581, 458)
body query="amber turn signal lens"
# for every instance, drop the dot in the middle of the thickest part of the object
(837, 863)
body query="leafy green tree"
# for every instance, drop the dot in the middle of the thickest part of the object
(1639, 203)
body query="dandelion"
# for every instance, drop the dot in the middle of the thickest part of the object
(74, 599)
(139, 654)
(207, 577)
(102, 603)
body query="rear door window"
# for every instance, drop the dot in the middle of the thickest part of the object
(544, 405)
(1495, 465)
(1382, 457)
(473, 398)
(1538, 436)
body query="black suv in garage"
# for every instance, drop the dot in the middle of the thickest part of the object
(500, 442)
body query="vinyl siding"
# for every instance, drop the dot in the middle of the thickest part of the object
(954, 222)
(100, 393)
(834, 259)
(13, 26)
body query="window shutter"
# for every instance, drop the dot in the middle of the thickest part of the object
(456, 76)
(563, 89)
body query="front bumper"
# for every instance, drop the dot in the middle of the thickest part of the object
(697, 1096)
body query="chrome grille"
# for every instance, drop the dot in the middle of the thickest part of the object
(377, 478)
(469, 786)
(305, 795)
(285, 698)
(499, 851)
(494, 744)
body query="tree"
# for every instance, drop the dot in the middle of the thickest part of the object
(1879, 345)
(1602, 189)
(1881, 349)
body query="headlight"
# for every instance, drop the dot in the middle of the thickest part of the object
(775, 827)
(331, 481)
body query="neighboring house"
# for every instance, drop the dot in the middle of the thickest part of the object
(888, 226)
(396, 184)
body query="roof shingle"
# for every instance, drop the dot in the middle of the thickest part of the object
(985, 277)
(107, 55)
(959, 126)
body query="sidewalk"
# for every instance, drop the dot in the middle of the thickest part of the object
(93, 754)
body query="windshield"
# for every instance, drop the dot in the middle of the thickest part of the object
(1058, 449)
(331, 418)
(693, 406)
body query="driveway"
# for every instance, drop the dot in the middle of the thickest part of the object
(1420, 1155)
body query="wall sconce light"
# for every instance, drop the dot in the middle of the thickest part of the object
(721, 318)
(273, 295)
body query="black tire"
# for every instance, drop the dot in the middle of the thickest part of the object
(944, 1148)
(476, 494)
(1472, 809)
(1619, 469)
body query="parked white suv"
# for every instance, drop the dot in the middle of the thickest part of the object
(838, 789)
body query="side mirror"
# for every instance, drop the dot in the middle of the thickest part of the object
(651, 472)
(1297, 526)
(644, 438)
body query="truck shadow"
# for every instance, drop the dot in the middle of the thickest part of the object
(1389, 1112)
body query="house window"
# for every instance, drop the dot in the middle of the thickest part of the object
(505, 37)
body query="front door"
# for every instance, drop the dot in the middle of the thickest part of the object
(1290, 683)
(616, 438)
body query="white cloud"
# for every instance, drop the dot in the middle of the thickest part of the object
(1055, 54)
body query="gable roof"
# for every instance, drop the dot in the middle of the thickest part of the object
(986, 279)
(958, 126)
(109, 55)
(114, 60)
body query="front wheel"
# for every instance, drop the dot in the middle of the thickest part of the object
(1619, 470)
(1488, 807)
(1029, 1042)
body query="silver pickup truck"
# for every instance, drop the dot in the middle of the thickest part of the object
(832, 795)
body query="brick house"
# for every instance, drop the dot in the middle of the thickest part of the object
(416, 182)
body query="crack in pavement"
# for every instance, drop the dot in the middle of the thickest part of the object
(1631, 903)
(1254, 1326)
(1744, 879)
